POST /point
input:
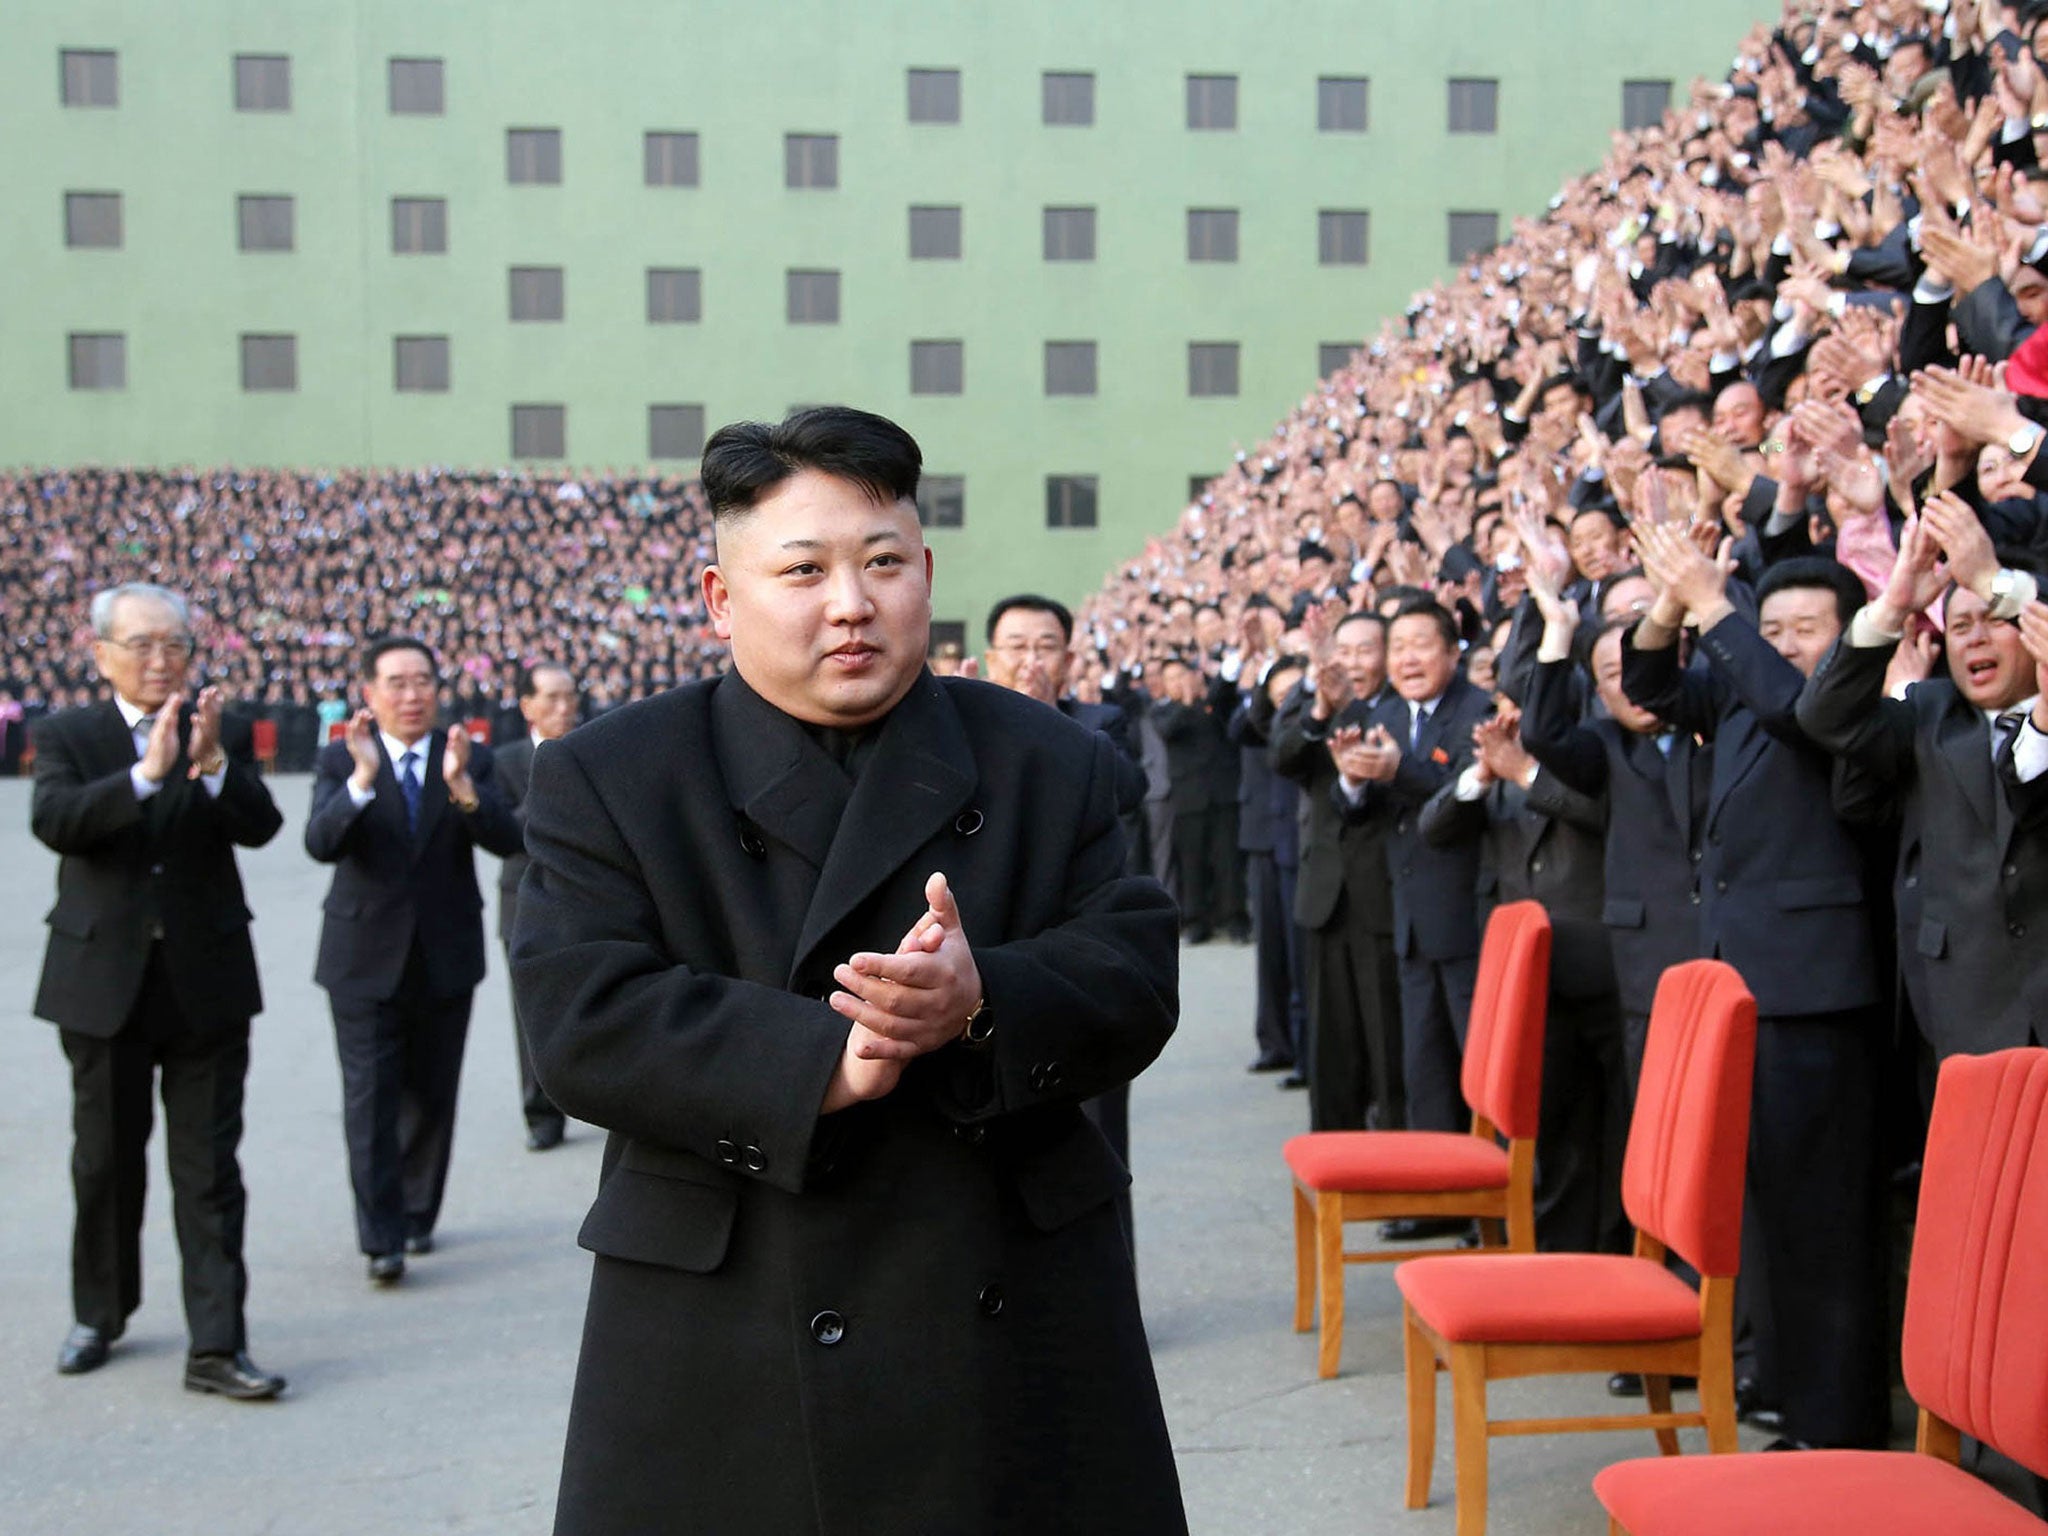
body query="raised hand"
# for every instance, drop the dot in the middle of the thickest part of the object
(204, 742)
(361, 740)
(918, 998)
(1913, 661)
(1954, 527)
(455, 763)
(160, 755)
(1677, 567)
(1497, 743)
(1917, 579)
(2034, 636)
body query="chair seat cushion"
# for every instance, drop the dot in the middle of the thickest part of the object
(1549, 1298)
(1396, 1162)
(1806, 1493)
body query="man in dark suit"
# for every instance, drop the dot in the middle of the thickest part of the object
(835, 948)
(398, 808)
(151, 979)
(1268, 837)
(1194, 721)
(548, 703)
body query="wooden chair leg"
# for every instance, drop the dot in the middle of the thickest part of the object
(1419, 1359)
(1330, 1280)
(1717, 1402)
(1493, 1232)
(1304, 1262)
(1614, 1527)
(1468, 1420)
(1657, 1398)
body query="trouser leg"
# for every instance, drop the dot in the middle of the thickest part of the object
(1376, 993)
(202, 1092)
(369, 1042)
(1430, 1056)
(1270, 922)
(1226, 866)
(1297, 969)
(110, 1124)
(1576, 1158)
(436, 1029)
(1159, 841)
(1339, 1083)
(1191, 854)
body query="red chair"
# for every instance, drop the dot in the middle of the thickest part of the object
(1500, 1315)
(263, 738)
(337, 729)
(479, 730)
(1976, 1350)
(1342, 1176)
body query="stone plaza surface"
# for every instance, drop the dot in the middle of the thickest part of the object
(439, 1405)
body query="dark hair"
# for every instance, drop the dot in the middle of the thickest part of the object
(386, 644)
(529, 677)
(1815, 573)
(1361, 616)
(745, 460)
(1690, 400)
(1606, 509)
(1031, 602)
(1576, 383)
(1431, 609)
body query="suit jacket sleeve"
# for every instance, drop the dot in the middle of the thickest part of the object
(1843, 709)
(69, 812)
(243, 809)
(1682, 696)
(1550, 795)
(1755, 673)
(334, 815)
(492, 826)
(1298, 738)
(1447, 821)
(1566, 750)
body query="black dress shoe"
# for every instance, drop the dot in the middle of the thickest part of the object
(387, 1268)
(1240, 935)
(1787, 1443)
(1271, 1064)
(1412, 1229)
(1294, 1080)
(1200, 935)
(420, 1243)
(544, 1136)
(1751, 1408)
(84, 1349)
(233, 1375)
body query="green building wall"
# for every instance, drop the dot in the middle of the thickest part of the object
(604, 72)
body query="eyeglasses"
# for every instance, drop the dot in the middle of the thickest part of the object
(175, 648)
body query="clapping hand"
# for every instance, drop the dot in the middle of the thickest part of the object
(161, 754)
(361, 740)
(203, 745)
(455, 765)
(917, 999)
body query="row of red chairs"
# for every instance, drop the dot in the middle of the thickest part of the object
(1976, 1340)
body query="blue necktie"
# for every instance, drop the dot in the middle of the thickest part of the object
(409, 782)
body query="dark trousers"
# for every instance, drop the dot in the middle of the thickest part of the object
(1436, 1006)
(534, 1102)
(401, 1064)
(1583, 1131)
(200, 1076)
(1815, 1196)
(1159, 847)
(1297, 968)
(1354, 1031)
(1205, 845)
(1272, 935)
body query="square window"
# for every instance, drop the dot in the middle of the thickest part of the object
(1070, 501)
(935, 234)
(263, 82)
(1212, 101)
(1472, 233)
(1644, 103)
(675, 295)
(1212, 234)
(675, 432)
(813, 297)
(1198, 486)
(533, 156)
(948, 632)
(935, 95)
(540, 431)
(1475, 106)
(1067, 98)
(1070, 234)
(942, 501)
(92, 220)
(671, 159)
(88, 77)
(416, 87)
(99, 360)
(1212, 368)
(536, 293)
(270, 363)
(938, 367)
(1343, 103)
(419, 226)
(1343, 237)
(1334, 356)
(420, 364)
(263, 222)
(810, 160)
(1070, 367)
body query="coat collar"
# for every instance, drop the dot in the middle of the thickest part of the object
(1964, 741)
(775, 774)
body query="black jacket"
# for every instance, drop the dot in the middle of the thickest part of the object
(1343, 872)
(512, 768)
(1200, 755)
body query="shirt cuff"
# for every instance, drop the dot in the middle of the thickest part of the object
(1353, 791)
(1469, 787)
(213, 782)
(360, 797)
(1931, 290)
(1866, 634)
(2029, 752)
(144, 787)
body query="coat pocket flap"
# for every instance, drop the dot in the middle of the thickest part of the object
(1622, 912)
(1818, 891)
(1932, 940)
(651, 1219)
(74, 925)
(1069, 1178)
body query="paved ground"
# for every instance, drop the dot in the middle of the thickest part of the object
(439, 1406)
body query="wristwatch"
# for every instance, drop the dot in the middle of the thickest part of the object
(2006, 597)
(466, 806)
(981, 1024)
(2024, 440)
(214, 762)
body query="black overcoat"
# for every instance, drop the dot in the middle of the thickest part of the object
(916, 1315)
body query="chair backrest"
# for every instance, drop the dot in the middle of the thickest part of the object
(1503, 1072)
(1976, 1345)
(263, 738)
(479, 729)
(1688, 1142)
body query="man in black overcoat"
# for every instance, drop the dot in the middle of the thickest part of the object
(151, 979)
(834, 949)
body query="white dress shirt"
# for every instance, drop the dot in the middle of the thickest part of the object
(132, 715)
(395, 750)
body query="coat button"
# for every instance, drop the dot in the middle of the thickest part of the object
(990, 1300)
(828, 1328)
(1721, 886)
(1694, 855)
(757, 1160)
(1535, 866)
(969, 822)
(727, 1152)
(2017, 930)
(752, 846)
(971, 1134)
(1695, 898)
(2011, 870)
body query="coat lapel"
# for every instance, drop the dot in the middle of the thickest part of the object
(433, 790)
(775, 775)
(1965, 745)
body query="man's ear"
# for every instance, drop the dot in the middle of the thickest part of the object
(718, 601)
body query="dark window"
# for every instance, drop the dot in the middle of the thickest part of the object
(537, 293)
(540, 431)
(1212, 234)
(675, 431)
(1070, 367)
(675, 295)
(813, 297)
(935, 234)
(671, 159)
(1472, 233)
(935, 95)
(1198, 486)
(263, 82)
(1474, 106)
(810, 160)
(92, 220)
(1343, 237)
(88, 77)
(1212, 101)
(264, 222)
(937, 367)
(1070, 501)
(533, 156)
(420, 364)
(1212, 368)
(1070, 234)
(99, 360)
(1331, 356)
(942, 501)
(1343, 103)
(1067, 99)
(416, 87)
(270, 363)
(1644, 103)
(946, 632)
(419, 226)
